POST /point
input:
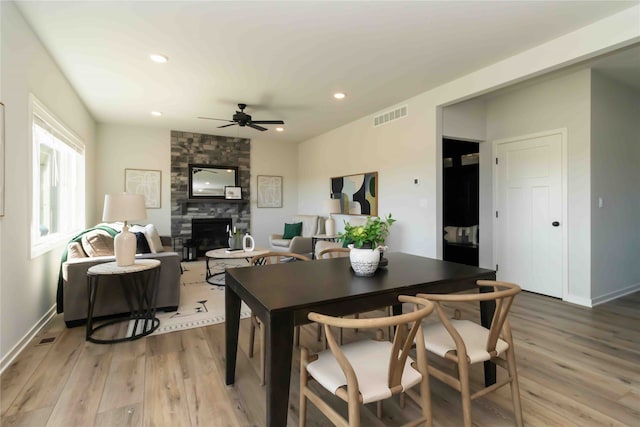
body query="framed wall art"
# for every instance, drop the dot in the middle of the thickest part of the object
(146, 182)
(232, 193)
(269, 191)
(358, 194)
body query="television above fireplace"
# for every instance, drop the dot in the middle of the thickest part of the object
(209, 181)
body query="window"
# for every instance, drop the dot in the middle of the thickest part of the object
(58, 181)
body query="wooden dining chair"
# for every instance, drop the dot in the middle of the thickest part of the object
(333, 253)
(465, 343)
(265, 259)
(368, 371)
(344, 252)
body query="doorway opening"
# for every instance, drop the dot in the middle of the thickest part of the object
(461, 197)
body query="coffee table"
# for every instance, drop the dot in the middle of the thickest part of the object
(224, 253)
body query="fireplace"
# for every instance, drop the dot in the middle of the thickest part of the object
(209, 233)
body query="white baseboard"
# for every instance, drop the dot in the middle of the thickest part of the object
(22, 344)
(573, 299)
(615, 294)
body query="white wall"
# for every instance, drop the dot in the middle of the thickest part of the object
(465, 121)
(560, 103)
(410, 148)
(615, 156)
(28, 286)
(280, 159)
(399, 153)
(122, 147)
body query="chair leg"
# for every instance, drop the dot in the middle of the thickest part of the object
(263, 354)
(302, 421)
(515, 388)
(465, 392)
(379, 409)
(252, 336)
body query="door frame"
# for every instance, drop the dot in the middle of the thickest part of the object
(563, 203)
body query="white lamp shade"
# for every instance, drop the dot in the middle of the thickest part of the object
(332, 206)
(124, 207)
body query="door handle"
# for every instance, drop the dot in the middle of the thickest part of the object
(555, 223)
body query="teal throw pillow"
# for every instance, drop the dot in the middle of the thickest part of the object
(292, 230)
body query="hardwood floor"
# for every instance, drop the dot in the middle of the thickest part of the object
(577, 367)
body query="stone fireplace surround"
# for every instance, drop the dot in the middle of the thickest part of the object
(210, 233)
(189, 147)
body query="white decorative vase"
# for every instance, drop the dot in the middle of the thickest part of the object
(364, 261)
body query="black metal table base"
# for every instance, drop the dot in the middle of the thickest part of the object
(140, 290)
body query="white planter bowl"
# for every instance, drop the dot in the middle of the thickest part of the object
(364, 261)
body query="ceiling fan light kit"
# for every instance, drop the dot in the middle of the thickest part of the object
(243, 119)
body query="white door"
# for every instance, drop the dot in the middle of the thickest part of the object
(529, 234)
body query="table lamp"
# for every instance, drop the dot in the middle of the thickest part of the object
(124, 207)
(332, 206)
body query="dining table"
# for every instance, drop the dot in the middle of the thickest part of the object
(282, 295)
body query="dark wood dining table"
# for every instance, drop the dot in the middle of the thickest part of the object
(282, 295)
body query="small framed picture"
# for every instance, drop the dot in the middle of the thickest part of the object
(232, 193)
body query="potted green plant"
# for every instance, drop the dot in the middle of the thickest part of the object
(370, 235)
(366, 242)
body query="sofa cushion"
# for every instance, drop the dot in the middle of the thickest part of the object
(310, 224)
(153, 238)
(292, 230)
(142, 246)
(97, 243)
(74, 250)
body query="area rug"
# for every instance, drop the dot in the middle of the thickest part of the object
(201, 304)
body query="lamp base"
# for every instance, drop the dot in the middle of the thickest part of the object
(330, 227)
(124, 246)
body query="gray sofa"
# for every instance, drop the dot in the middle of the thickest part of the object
(110, 300)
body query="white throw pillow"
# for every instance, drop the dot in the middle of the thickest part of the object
(153, 238)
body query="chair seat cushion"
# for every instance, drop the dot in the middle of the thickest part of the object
(370, 361)
(281, 242)
(439, 341)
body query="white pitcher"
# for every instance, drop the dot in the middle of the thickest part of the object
(248, 244)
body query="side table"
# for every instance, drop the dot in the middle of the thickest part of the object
(316, 237)
(139, 285)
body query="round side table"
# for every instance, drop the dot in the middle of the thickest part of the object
(225, 253)
(139, 286)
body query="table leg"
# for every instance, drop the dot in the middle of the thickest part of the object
(279, 345)
(487, 309)
(232, 325)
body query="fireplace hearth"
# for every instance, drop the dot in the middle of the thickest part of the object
(209, 233)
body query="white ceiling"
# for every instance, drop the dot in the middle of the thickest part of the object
(284, 59)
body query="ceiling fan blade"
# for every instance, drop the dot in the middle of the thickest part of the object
(211, 118)
(268, 122)
(256, 127)
(226, 126)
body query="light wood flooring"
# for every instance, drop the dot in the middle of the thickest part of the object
(577, 367)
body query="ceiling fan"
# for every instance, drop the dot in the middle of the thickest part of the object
(242, 119)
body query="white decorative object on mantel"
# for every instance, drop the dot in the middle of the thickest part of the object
(364, 261)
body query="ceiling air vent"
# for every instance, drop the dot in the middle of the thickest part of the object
(389, 116)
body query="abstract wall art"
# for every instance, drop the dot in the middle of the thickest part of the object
(358, 194)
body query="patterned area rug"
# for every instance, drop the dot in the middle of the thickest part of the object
(201, 303)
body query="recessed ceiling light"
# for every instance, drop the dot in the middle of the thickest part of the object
(339, 95)
(280, 129)
(156, 113)
(160, 59)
